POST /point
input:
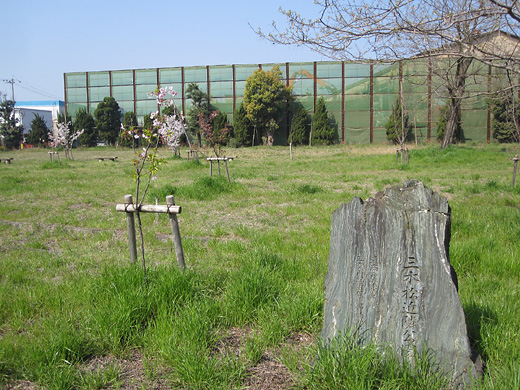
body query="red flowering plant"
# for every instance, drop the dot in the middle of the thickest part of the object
(130, 136)
(216, 137)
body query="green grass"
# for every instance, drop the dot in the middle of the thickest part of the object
(257, 255)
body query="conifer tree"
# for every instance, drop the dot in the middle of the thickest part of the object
(299, 127)
(397, 125)
(39, 133)
(85, 121)
(243, 130)
(108, 120)
(322, 130)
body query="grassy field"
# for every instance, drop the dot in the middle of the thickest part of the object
(75, 314)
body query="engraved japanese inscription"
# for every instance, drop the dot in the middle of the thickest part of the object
(390, 280)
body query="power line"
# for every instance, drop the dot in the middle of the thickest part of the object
(31, 88)
(28, 87)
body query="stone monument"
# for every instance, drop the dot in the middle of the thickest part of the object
(390, 280)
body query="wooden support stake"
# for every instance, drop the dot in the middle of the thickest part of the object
(130, 226)
(156, 214)
(51, 154)
(515, 161)
(170, 201)
(210, 168)
(227, 171)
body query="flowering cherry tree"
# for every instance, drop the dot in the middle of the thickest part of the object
(215, 137)
(64, 137)
(167, 129)
(171, 125)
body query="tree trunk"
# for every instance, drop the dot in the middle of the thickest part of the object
(270, 138)
(456, 91)
(451, 122)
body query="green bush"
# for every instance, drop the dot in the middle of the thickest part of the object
(299, 127)
(394, 126)
(503, 122)
(243, 130)
(322, 129)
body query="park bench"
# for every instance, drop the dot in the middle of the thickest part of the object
(107, 158)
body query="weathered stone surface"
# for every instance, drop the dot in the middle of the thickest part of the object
(390, 278)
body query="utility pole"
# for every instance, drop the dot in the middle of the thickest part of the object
(12, 81)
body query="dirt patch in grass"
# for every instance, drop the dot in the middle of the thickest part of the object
(136, 371)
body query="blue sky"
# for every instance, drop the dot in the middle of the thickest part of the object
(44, 39)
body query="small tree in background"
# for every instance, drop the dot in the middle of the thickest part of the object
(265, 100)
(221, 122)
(85, 121)
(398, 126)
(65, 137)
(129, 130)
(299, 126)
(216, 134)
(243, 130)
(502, 124)
(200, 105)
(9, 128)
(108, 120)
(147, 122)
(506, 115)
(39, 131)
(322, 130)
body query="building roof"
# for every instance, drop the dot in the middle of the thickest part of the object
(36, 103)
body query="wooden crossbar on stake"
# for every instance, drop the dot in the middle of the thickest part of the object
(170, 208)
(149, 208)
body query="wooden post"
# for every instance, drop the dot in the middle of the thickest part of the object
(157, 214)
(515, 160)
(415, 129)
(210, 168)
(227, 171)
(176, 234)
(130, 226)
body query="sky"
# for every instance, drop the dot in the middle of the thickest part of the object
(42, 40)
